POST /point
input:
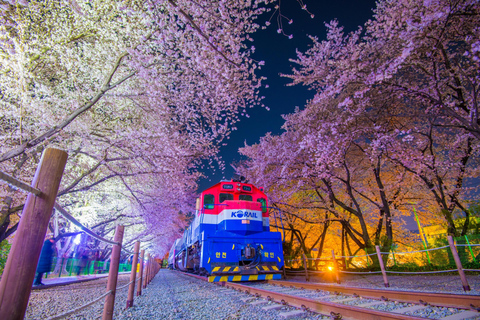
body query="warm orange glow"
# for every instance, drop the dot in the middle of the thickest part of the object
(330, 268)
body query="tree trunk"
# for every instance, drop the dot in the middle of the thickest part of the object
(322, 242)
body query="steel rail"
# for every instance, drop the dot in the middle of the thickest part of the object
(437, 299)
(195, 276)
(353, 312)
(323, 307)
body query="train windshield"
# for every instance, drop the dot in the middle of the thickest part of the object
(208, 201)
(245, 197)
(225, 196)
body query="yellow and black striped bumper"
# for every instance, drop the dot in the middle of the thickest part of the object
(252, 277)
(262, 269)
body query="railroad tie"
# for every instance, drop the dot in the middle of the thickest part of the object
(291, 314)
(289, 291)
(370, 304)
(332, 296)
(275, 306)
(228, 291)
(258, 302)
(346, 300)
(408, 309)
(462, 315)
(246, 299)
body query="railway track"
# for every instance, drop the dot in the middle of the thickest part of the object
(461, 301)
(339, 302)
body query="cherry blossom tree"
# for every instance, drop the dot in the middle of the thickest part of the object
(138, 93)
(393, 121)
(350, 183)
(416, 64)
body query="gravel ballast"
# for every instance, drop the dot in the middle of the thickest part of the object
(172, 295)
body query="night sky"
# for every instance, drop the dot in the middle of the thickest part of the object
(276, 50)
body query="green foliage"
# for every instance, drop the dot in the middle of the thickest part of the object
(4, 250)
(475, 209)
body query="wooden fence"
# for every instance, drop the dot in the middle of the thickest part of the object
(20, 269)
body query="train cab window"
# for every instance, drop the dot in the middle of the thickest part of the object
(225, 196)
(245, 197)
(208, 201)
(263, 202)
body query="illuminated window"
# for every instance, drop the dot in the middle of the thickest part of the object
(208, 201)
(225, 196)
(245, 197)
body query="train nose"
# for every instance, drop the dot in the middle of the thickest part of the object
(241, 217)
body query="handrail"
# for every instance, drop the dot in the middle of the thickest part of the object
(19, 184)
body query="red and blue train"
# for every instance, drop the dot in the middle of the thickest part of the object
(230, 238)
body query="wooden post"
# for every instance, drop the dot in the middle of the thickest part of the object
(154, 269)
(145, 277)
(146, 271)
(382, 266)
(150, 272)
(149, 269)
(305, 267)
(19, 272)
(335, 267)
(140, 273)
(133, 275)
(113, 274)
(154, 266)
(466, 287)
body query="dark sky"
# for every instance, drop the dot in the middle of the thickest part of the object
(276, 50)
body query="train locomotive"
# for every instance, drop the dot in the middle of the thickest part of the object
(230, 238)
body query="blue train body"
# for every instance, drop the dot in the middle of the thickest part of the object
(230, 238)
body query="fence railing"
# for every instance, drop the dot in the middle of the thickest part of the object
(72, 266)
(337, 264)
(17, 278)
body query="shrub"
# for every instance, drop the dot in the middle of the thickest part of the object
(4, 250)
